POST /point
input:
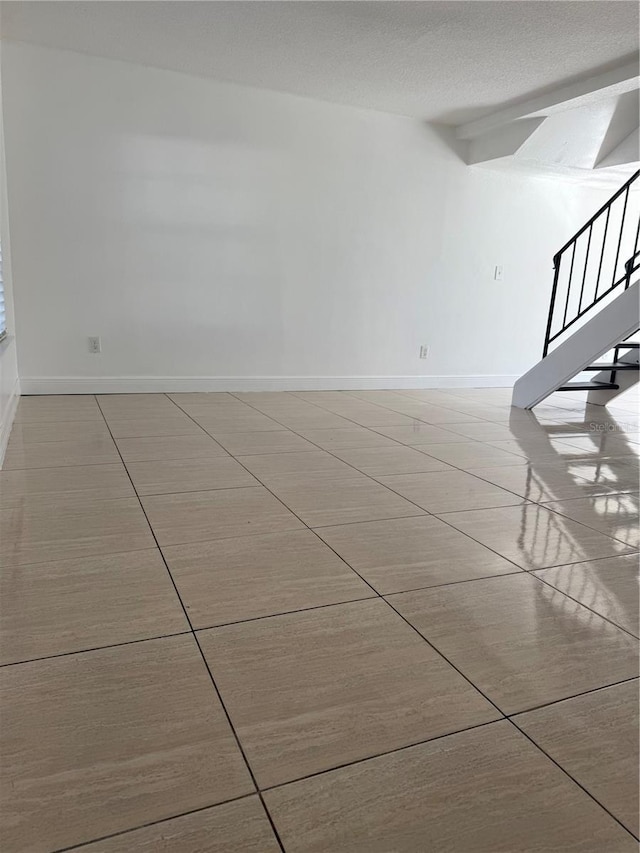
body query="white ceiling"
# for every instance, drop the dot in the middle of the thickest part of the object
(440, 61)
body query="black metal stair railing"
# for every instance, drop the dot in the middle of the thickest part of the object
(600, 257)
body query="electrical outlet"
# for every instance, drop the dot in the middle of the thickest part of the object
(95, 345)
(424, 351)
(498, 273)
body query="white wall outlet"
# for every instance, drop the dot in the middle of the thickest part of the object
(498, 273)
(95, 345)
(424, 351)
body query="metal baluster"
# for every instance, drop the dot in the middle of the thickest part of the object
(604, 243)
(624, 213)
(586, 264)
(547, 338)
(566, 306)
(631, 264)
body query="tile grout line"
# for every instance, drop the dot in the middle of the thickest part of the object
(439, 517)
(517, 573)
(582, 604)
(473, 685)
(93, 649)
(379, 595)
(368, 476)
(206, 663)
(86, 557)
(120, 832)
(74, 465)
(506, 718)
(376, 594)
(583, 523)
(536, 744)
(569, 776)
(408, 500)
(424, 402)
(481, 418)
(575, 696)
(519, 569)
(444, 520)
(360, 473)
(386, 752)
(471, 473)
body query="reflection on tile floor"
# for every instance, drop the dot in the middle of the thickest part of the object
(410, 618)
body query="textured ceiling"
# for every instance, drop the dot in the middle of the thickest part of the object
(440, 61)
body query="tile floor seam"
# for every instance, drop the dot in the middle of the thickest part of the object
(268, 615)
(527, 466)
(584, 524)
(194, 631)
(94, 649)
(403, 748)
(462, 470)
(287, 612)
(412, 627)
(581, 603)
(62, 440)
(573, 779)
(519, 568)
(209, 671)
(452, 393)
(109, 554)
(425, 511)
(335, 604)
(49, 467)
(384, 408)
(196, 491)
(319, 527)
(536, 568)
(612, 494)
(521, 711)
(476, 441)
(591, 560)
(306, 776)
(539, 503)
(575, 696)
(437, 405)
(151, 823)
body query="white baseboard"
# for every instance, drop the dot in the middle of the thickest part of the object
(176, 384)
(7, 420)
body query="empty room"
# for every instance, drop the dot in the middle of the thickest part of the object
(319, 426)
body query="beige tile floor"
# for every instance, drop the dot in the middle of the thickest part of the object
(319, 622)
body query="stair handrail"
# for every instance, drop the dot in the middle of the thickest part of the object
(630, 266)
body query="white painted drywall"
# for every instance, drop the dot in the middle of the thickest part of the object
(9, 385)
(209, 230)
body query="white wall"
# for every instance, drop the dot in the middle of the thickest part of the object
(9, 385)
(207, 230)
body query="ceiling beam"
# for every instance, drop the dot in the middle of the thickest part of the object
(624, 121)
(624, 78)
(503, 142)
(624, 153)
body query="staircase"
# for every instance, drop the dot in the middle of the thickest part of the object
(594, 310)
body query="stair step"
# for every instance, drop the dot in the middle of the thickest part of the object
(590, 386)
(629, 344)
(620, 365)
